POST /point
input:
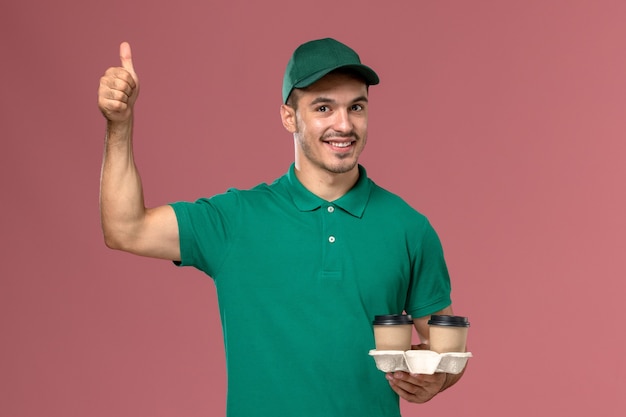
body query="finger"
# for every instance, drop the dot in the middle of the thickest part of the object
(411, 388)
(401, 393)
(112, 107)
(412, 383)
(115, 95)
(405, 382)
(126, 57)
(403, 389)
(118, 79)
(424, 380)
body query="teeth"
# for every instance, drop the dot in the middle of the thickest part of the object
(340, 144)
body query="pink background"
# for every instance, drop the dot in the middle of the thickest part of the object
(502, 121)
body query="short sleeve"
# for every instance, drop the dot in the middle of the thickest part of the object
(429, 290)
(206, 227)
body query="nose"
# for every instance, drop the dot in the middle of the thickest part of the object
(342, 122)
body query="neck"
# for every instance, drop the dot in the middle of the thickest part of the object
(327, 185)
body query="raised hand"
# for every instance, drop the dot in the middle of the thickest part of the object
(119, 88)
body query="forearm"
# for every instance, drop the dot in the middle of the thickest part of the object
(122, 207)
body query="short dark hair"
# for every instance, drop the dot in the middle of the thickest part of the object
(294, 96)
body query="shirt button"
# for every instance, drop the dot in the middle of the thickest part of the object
(331, 239)
(331, 209)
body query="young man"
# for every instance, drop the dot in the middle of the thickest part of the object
(301, 266)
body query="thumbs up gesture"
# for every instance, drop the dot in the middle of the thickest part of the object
(119, 88)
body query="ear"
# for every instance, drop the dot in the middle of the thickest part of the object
(288, 116)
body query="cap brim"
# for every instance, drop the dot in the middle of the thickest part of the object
(368, 74)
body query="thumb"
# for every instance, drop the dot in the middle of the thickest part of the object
(126, 57)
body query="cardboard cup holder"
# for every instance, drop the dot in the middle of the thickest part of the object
(420, 361)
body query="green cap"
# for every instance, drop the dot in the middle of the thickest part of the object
(313, 60)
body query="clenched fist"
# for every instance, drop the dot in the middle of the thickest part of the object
(119, 88)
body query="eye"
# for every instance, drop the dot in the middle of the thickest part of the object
(356, 107)
(322, 109)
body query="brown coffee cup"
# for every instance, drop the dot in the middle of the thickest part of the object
(393, 332)
(448, 333)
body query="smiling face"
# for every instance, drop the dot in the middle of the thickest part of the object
(329, 124)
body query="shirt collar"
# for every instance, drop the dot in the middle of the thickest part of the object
(353, 202)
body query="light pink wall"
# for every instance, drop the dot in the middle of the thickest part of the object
(504, 122)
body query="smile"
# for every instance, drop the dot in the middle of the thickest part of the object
(340, 144)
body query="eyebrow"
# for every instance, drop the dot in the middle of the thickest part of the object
(323, 99)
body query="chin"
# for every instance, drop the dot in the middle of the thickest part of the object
(341, 168)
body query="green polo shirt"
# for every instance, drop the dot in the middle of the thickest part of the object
(299, 281)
